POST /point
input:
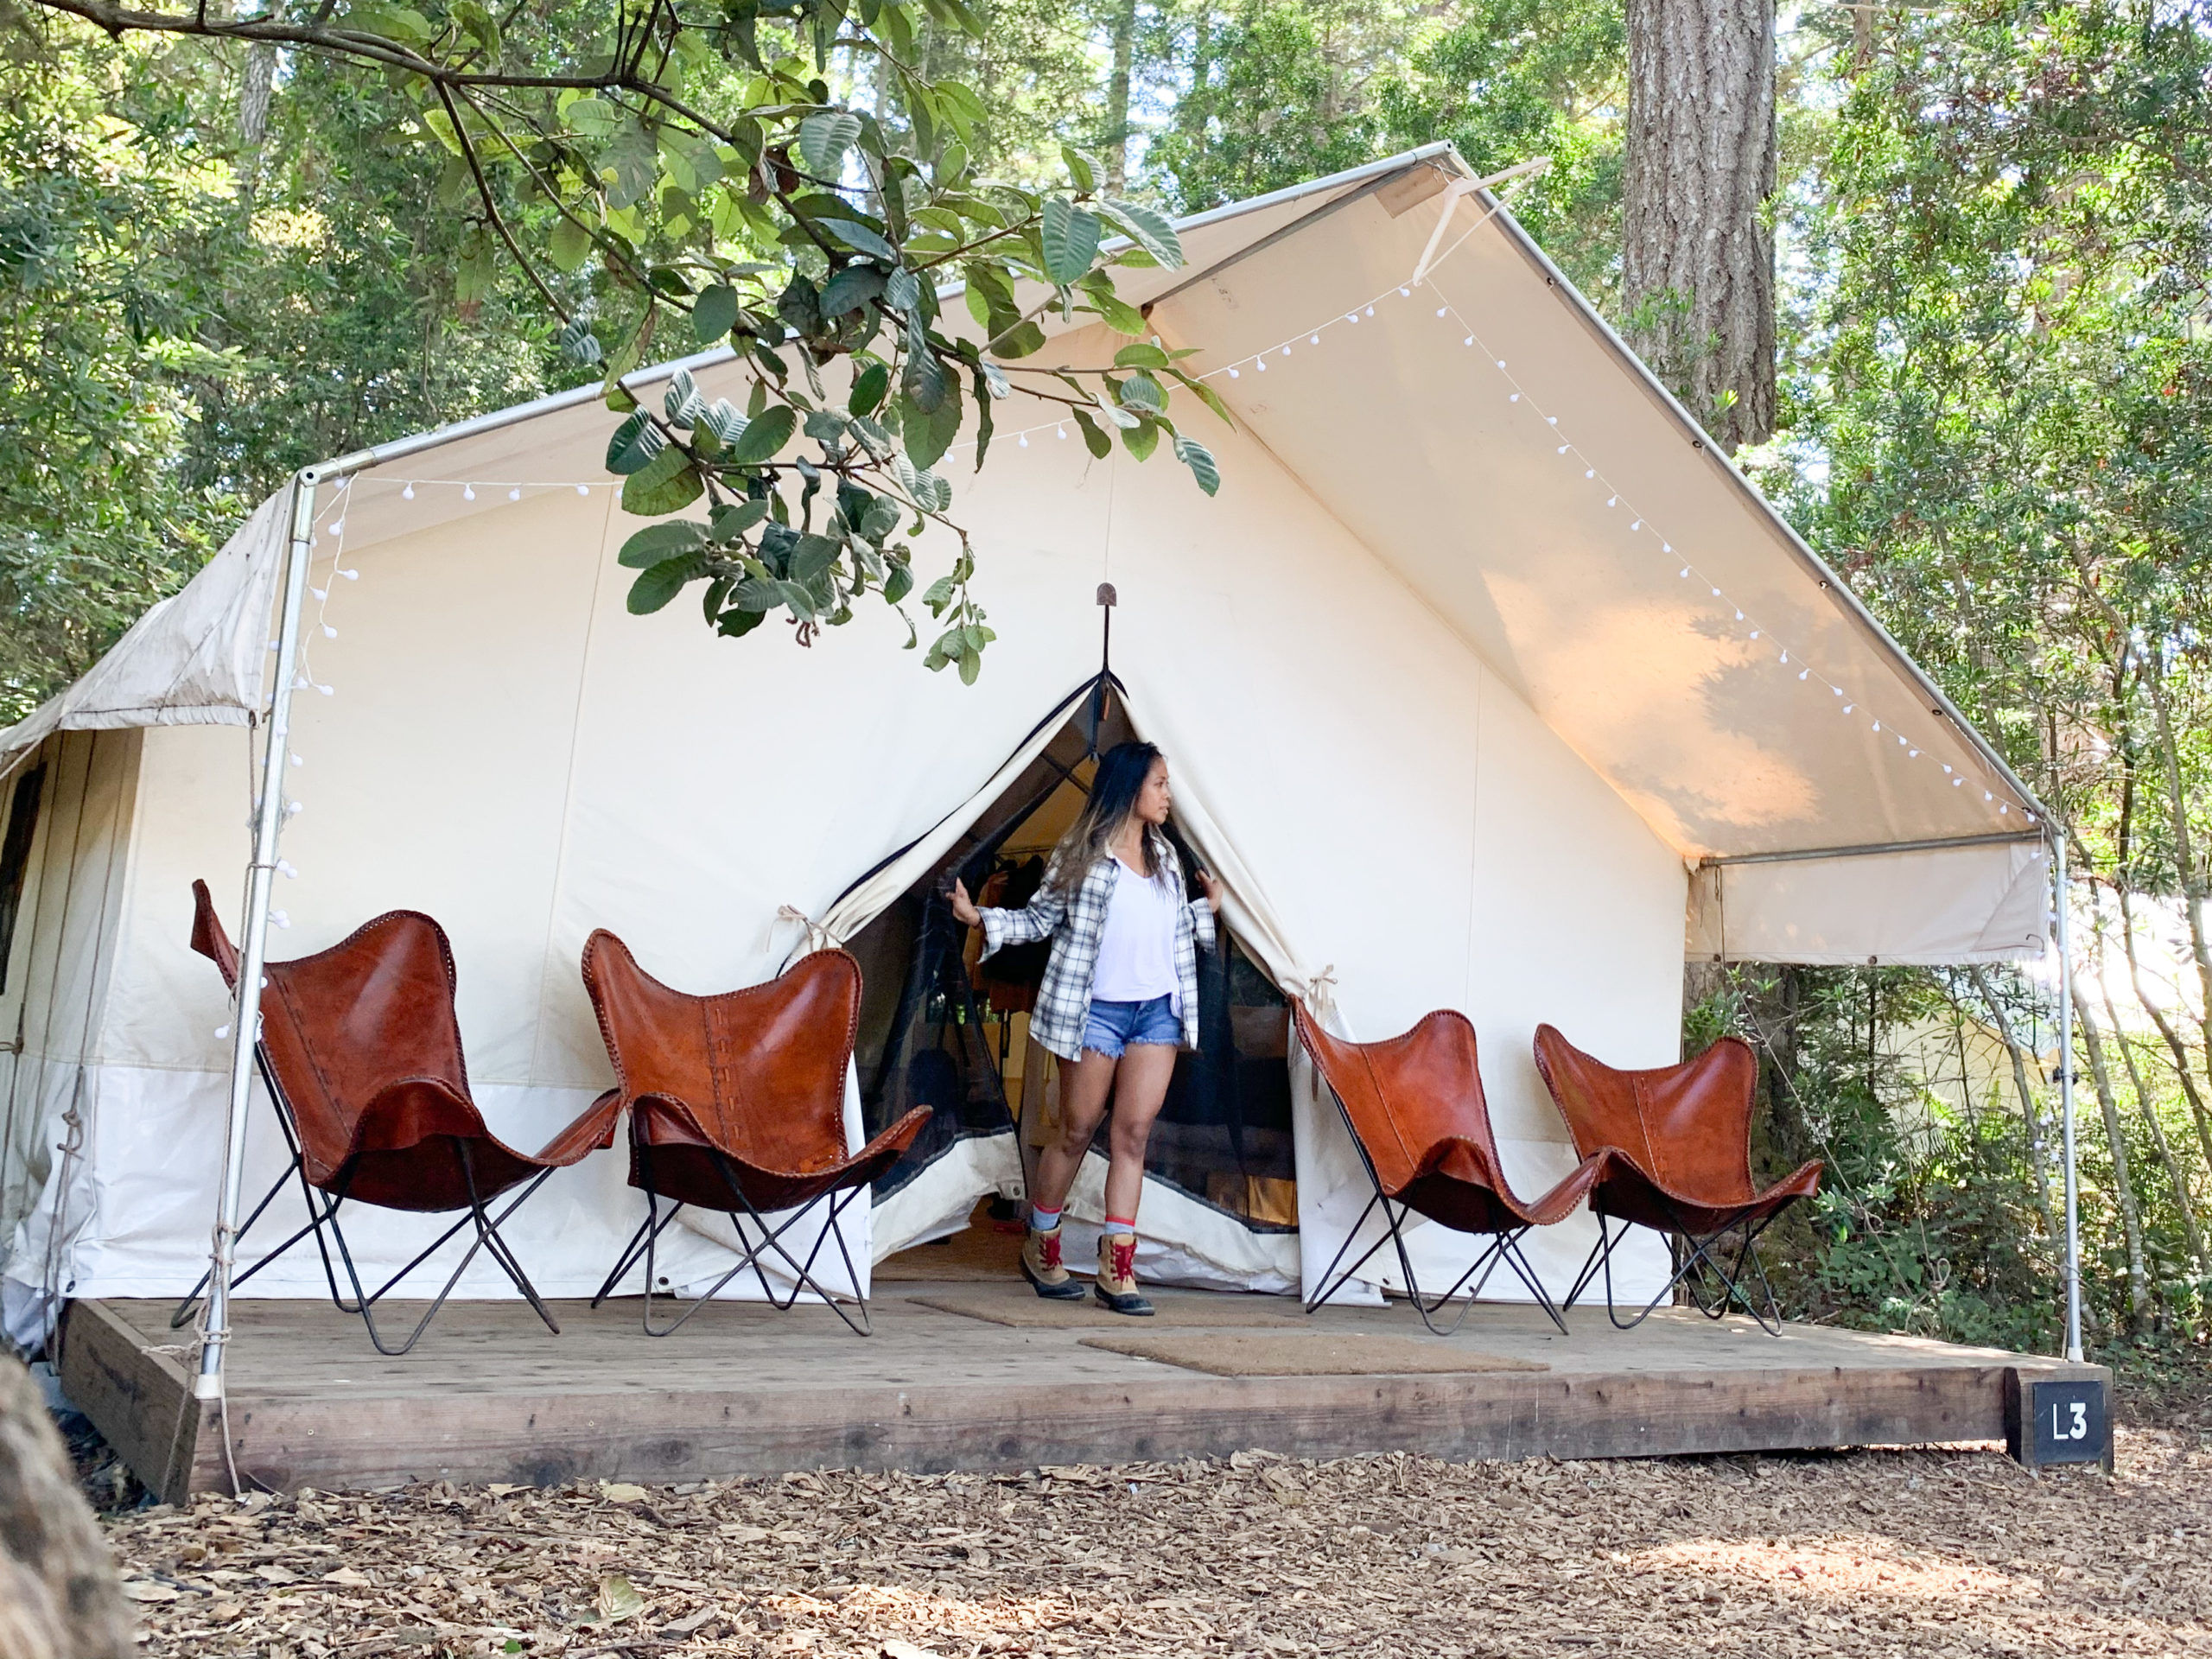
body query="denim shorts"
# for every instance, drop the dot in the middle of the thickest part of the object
(1113, 1026)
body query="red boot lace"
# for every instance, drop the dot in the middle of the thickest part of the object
(1124, 1254)
(1048, 1249)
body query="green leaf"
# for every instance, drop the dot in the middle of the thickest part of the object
(654, 587)
(737, 623)
(898, 583)
(1069, 239)
(657, 542)
(714, 314)
(1120, 417)
(1018, 341)
(568, 245)
(1120, 315)
(592, 117)
(733, 519)
(814, 555)
(1141, 439)
(868, 389)
(859, 239)
(1199, 459)
(401, 23)
(628, 166)
(902, 290)
(1141, 391)
(1094, 440)
(1082, 169)
(929, 433)
(1149, 228)
(850, 288)
(764, 437)
(1206, 395)
(923, 377)
(1142, 355)
(636, 442)
(823, 139)
(668, 483)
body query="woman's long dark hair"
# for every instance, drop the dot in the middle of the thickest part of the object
(1113, 790)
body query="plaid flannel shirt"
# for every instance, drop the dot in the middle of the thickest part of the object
(1074, 924)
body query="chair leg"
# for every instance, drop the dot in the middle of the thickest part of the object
(1330, 1288)
(752, 1255)
(1704, 1252)
(1510, 1249)
(495, 1244)
(182, 1316)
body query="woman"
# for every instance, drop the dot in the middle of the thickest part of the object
(1119, 995)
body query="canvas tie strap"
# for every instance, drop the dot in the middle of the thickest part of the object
(1317, 991)
(819, 937)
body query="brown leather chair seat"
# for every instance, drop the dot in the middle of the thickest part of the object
(361, 1051)
(1677, 1140)
(737, 1104)
(1415, 1109)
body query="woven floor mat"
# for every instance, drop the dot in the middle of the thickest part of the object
(1016, 1303)
(1307, 1354)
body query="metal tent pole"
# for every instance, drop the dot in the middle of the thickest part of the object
(253, 938)
(2066, 1103)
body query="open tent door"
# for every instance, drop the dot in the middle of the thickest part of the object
(941, 1028)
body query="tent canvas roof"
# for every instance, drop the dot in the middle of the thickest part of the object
(1500, 453)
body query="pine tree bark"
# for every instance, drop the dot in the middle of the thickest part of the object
(58, 1598)
(1117, 95)
(1698, 265)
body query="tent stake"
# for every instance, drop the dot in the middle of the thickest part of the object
(253, 942)
(2066, 1105)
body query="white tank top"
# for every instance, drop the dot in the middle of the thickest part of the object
(1137, 949)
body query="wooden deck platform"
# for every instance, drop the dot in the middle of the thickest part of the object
(491, 1396)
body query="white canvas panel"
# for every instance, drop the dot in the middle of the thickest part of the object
(1936, 905)
(194, 659)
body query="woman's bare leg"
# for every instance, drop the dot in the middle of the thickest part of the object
(1140, 1090)
(1085, 1085)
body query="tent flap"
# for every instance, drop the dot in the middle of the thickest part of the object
(1988, 901)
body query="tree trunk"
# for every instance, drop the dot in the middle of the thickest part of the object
(58, 1594)
(2139, 1311)
(2044, 1207)
(1117, 96)
(1698, 264)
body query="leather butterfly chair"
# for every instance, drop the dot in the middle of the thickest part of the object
(361, 1053)
(737, 1104)
(1415, 1109)
(1680, 1141)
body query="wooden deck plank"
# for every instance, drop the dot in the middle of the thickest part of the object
(491, 1396)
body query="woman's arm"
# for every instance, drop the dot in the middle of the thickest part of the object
(1204, 910)
(1038, 920)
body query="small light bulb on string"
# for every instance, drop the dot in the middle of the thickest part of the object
(1785, 655)
(1062, 430)
(1405, 293)
(1442, 309)
(1562, 449)
(327, 691)
(1469, 341)
(1955, 782)
(1351, 316)
(2004, 807)
(583, 489)
(1846, 708)
(297, 761)
(1612, 500)
(1837, 690)
(350, 575)
(1636, 524)
(1666, 547)
(338, 526)
(1370, 311)
(1802, 672)
(320, 592)
(329, 632)
(1500, 361)
(1286, 351)
(1755, 633)
(1024, 440)
(468, 492)
(515, 494)
(407, 494)
(1590, 472)
(1946, 768)
(293, 808)
(1234, 375)
(280, 917)
(1262, 362)
(1716, 592)
(1313, 339)
(285, 870)
(1686, 573)
(1551, 420)
(222, 1034)
(1912, 754)
(1739, 616)
(1877, 725)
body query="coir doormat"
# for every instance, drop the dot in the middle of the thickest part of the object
(1307, 1354)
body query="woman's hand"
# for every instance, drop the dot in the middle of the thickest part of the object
(1212, 885)
(964, 907)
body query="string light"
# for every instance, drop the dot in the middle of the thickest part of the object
(468, 492)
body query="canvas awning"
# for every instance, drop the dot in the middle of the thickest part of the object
(1501, 454)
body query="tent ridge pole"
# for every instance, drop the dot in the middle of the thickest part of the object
(1872, 848)
(2066, 1105)
(253, 940)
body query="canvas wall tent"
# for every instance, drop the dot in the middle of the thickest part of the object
(1444, 713)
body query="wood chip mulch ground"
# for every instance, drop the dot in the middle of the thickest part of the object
(1926, 1553)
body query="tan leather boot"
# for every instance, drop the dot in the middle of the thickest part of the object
(1040, 1266)
(1116, 1283)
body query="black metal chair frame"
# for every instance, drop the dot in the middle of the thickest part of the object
(1701, 1252)
(643, 1242)
(322, 1211)
(1504, 1247)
